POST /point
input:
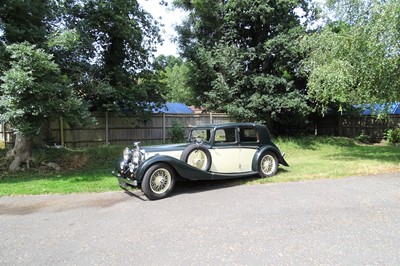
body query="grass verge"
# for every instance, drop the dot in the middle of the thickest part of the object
(89, 169)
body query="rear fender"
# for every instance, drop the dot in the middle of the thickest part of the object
(261, 151)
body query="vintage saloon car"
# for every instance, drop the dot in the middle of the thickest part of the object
(218, 151)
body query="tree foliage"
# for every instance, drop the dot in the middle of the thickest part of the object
(102, 51)
(173, 73)
(115, 41)
(245, 58)
(26, 20)
(356, 59)
(103, 47)
(33, 90)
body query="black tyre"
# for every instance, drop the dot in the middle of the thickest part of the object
(197, 156)
(158, 181)
(268, 164)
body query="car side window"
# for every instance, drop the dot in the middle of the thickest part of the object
(249, 135)
(203, 134)
(225, 135)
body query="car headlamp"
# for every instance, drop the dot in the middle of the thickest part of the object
(127, 154)
(135, 157)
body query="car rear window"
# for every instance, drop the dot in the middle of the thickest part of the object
(248, 135)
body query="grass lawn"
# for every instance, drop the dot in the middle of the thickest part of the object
(89, 170)
(328, 157)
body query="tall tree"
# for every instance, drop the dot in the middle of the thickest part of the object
(116, 41)
(246, 58)
(355, 59)
(32, 90)
(102, 57)
(25, 21)
(174, 73)
(29, 80)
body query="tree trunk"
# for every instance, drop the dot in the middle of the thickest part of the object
(22, 152)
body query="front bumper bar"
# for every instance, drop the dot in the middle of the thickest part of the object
(125, 180)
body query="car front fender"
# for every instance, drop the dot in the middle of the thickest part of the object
(183, 169)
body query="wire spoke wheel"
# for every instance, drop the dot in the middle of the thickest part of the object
(160, 181)
(268, 165)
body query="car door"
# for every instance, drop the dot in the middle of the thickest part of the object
(249, 142)
(225, 152)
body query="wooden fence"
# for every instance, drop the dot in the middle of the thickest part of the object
(115, 129)
(353, 126)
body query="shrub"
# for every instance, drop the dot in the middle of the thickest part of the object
(177, 132)
(362, 138)
(393, 135)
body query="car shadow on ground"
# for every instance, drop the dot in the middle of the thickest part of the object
(192, 187)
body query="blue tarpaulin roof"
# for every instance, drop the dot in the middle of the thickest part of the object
(174, 108)
(393, 109)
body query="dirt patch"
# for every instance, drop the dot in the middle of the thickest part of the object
(58, 203)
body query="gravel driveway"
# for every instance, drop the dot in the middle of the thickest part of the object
(349, 221)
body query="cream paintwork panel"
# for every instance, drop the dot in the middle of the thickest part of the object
(231, 160)
(175, 154)
(246, 158)
(225, 160)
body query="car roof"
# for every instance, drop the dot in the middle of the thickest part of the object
(264, 133)
(227, 125)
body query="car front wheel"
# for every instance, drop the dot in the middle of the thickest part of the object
(268, 164)
(158, 181)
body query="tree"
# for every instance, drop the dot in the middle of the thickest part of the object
(25, 20)
(115, 43)
(174, 73)
(102, 51)
(33, 91)
(246, 58)
(356, 58)
(26, 79)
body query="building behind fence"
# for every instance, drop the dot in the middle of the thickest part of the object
(117, 129)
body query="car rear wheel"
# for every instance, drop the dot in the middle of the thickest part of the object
(197, 156)
(158, 181)
(268, 165)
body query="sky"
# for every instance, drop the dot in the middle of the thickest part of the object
(169, 18)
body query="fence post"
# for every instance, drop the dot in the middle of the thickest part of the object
(61, 131)
(3, 133)
(163, 127)
(107, 141)
(211, 118)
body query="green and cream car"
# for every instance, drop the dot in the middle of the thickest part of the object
(217, 151)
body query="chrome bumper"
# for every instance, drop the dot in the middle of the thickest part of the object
(125, 180)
